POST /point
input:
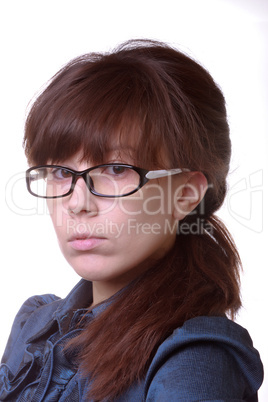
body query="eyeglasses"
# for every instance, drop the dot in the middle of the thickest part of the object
(111, 180)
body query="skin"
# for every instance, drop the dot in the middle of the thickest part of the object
(112, 241)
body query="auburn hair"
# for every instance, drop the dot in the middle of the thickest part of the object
(156, 101)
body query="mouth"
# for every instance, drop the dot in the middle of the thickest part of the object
(85, 242)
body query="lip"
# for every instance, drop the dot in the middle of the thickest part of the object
(84, 242)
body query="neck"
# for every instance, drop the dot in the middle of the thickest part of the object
(104, 290)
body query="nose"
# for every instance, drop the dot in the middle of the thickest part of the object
(81, 199)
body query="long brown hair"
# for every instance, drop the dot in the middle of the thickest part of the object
(160, 102)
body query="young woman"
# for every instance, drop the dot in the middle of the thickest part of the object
(131, 150)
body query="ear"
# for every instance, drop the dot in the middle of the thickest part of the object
(189, 194)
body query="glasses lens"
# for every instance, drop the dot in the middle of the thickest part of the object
(50, 181)
(114, 180)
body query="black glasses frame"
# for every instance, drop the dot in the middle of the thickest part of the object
(85, 175)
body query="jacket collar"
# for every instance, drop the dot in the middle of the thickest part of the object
(61, 312)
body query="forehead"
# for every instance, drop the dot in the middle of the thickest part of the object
(114, 154)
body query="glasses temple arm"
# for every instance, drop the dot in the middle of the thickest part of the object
(156, 174)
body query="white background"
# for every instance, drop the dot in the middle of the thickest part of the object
(229, 37)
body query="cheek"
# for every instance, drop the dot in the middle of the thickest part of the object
(59, 216)
(149, 201)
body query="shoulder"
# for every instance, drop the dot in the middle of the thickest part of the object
(210, 358)
(34, 310)
(32, 304)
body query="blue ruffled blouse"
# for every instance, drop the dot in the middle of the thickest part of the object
(208, 358)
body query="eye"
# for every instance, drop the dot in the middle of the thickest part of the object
(60, 174)
(115, 170)
(119, 169)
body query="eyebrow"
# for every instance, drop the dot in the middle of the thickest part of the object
(117, 148)
(122, 151)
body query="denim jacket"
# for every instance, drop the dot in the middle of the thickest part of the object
(208, 358)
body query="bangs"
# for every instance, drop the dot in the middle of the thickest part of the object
(94, 105)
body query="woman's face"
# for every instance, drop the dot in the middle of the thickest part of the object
(111, 241)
